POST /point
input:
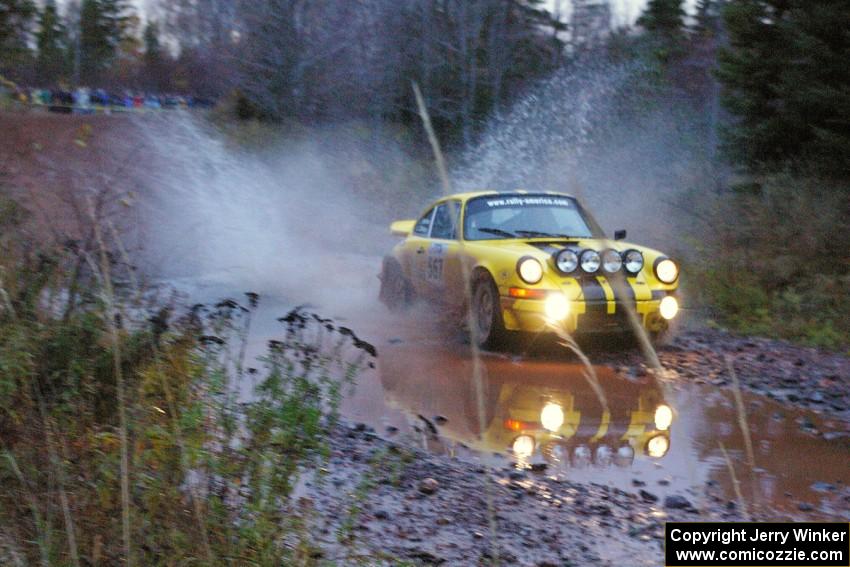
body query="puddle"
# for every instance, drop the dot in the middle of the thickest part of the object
(542, 413)
(546, 415)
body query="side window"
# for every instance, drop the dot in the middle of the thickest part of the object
(446, 220)
(423, 225)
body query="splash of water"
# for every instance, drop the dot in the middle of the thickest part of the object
(591, 131)
(287, 219)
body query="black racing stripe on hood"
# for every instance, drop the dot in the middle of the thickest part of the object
(623, 288)
(547, 247)
(594, 295)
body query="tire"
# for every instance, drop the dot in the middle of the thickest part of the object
(396, 292)
(488, 328)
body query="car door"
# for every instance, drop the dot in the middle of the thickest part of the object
(442, 255)
(415, 258)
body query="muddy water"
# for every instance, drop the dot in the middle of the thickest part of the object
(546, 412)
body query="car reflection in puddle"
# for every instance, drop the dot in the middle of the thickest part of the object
(537, 412)
(547, 415)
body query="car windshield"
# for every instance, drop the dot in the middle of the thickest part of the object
(524, 216)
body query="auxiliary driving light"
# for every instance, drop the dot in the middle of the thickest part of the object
(633, 260)
(612, 261)
(657, 446)
(552, 416)
(625, 456)
(582, 456)
(663, 417)
(604, 456)
(557, 307)
(590, 261)
(669, 307)
(566, 260)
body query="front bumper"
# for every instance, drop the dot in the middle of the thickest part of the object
(585, 317)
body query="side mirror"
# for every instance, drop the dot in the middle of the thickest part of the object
(619, 234)
(402, 227)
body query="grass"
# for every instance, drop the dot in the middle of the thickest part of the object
(116, 404)
(770, 258)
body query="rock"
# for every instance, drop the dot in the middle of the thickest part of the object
(677, 502)
(816, 397)
(440, 419)
(805, 507)
(664, 482)
(648, 496)
(381, 515)
(428, 486)
(517, 475)
(391, 429)
(636, 482)
(539, 467)
(821, 486)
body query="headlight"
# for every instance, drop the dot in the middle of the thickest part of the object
(523, 446)
(567, 261)
(663, 417)
(590, 261)
(557, 307)
(657, 446)
(633, 261)
(552, 416)
(530, 270)
(669, 307)
(612, 261)
(666, 271)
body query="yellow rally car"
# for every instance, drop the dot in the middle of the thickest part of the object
(532, 260)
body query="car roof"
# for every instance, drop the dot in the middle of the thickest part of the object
(473, 194)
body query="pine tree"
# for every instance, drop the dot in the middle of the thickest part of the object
(16, 20)
(664, 30)
(707, 17)
(102, 27)
(52, 44)
(787, 81)
(664, 20)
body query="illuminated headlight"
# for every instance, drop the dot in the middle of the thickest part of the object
(611, 261)
(633, 261)
(625, 456)
(567, 261)
(669, 307)
(523, 446)
(666, 271)
(552, 416)
(663, 417)
(657, 446)
(590, 261)
(530, 270)
(557, 307)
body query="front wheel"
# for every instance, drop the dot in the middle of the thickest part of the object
(487, 328)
